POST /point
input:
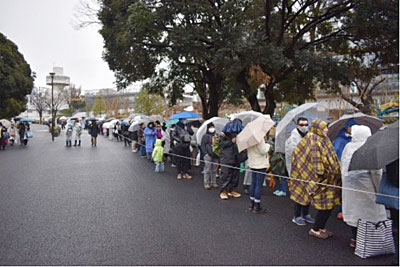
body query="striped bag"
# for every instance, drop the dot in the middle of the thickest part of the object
(374, 239)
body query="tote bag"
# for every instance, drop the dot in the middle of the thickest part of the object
(374, 239)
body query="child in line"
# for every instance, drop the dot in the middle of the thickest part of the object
(158, 156)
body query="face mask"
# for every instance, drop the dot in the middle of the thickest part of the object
(184, 121)
(347, 135)
(303, 129)
(211, 130)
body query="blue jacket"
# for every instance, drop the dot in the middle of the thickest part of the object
(150, 135)
(340, 142)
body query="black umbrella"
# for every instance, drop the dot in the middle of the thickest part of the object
(91, 119)
(373, 123)
(379, 150)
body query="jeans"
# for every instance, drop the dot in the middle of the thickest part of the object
(321, 219)
(300, 210)
(159, 166)
(258, 177)
(281, 184)
(142, 151)
(210, 169)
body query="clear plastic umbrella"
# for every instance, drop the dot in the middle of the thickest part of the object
(310, 111)
(6, 123)
(247, 116)
(219, 124)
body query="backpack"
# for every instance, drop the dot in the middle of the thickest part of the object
(216, 148)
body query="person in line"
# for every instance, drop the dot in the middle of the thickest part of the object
(343, 138)
(158, 156)
(229, 160)
(182, 137)
(125, 134)
(172, 143)
(210, 158)
(258, 162)
(301, 213)
(142, 140)
(357, 205)
(77, 133)
(314, 161)
(150, 134)
(23, 128)
(3, 136)
(134, 143)
(68, 135)
(12, 132)
(93, 131)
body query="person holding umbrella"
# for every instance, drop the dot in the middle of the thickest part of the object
(254, 139)
(182, 137)
(229, 160)
(301, 213)
(357, 205)
(78, 132)
(314, 161)
(210, 158)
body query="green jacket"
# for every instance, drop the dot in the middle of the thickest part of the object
(158, 152)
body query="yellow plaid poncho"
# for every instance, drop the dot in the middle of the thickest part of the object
(314, 159)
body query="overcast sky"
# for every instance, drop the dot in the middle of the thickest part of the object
(43, 31)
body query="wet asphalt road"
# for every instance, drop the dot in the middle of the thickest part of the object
(106, 206)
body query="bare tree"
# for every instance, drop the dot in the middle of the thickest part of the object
(38, 100)
(58, 100)
(85, 14)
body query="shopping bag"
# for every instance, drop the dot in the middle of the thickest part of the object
(374, 239)
(29, 134)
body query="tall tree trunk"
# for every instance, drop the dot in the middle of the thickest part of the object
(214, 88)
(270, 104)
(251, 97)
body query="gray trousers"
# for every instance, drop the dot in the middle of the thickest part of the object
(210, 169)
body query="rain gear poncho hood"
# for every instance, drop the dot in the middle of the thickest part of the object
(342, 139)
(315, 160)
(150, 134)
(158, 152)
(358, 205)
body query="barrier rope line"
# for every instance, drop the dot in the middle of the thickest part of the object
(275, 175)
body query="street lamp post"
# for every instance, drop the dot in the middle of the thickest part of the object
(52, 106)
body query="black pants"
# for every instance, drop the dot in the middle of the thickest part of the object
(229, 177)
(300, 210)
(353, 232)
(321, 219)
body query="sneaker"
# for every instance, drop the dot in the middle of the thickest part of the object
(207, 187)
(187, 176)
(318, 234)
(340, 216)
(352, 243)
(223, 195)
(214, 185)
(179, 176)
(281, 194)
(308, 219)
(234, 194)
(276, 192)
(330, 234)
(173, 165)
(299, 221)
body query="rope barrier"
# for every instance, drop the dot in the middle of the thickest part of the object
(275, 175)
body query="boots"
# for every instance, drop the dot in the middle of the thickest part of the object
(257, 209)
(75, 143)
(251, 207)
(79, 143)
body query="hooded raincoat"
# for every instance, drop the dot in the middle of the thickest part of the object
(314, 160)
(290, 144)
(358, 205)
(150, 134)
(158, 152)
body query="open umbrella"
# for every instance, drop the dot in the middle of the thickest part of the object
(247, 116)
(254, 132)
(185, 115)
(6, 123)
(219, 124)
(63, 118)
(360, 118)
(136, 125)
(26, 120)
(234, 126)
(311, 111)
(379, 150)
(157, 118)
(172, 122)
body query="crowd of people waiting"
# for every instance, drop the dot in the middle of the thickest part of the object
(17, 132)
